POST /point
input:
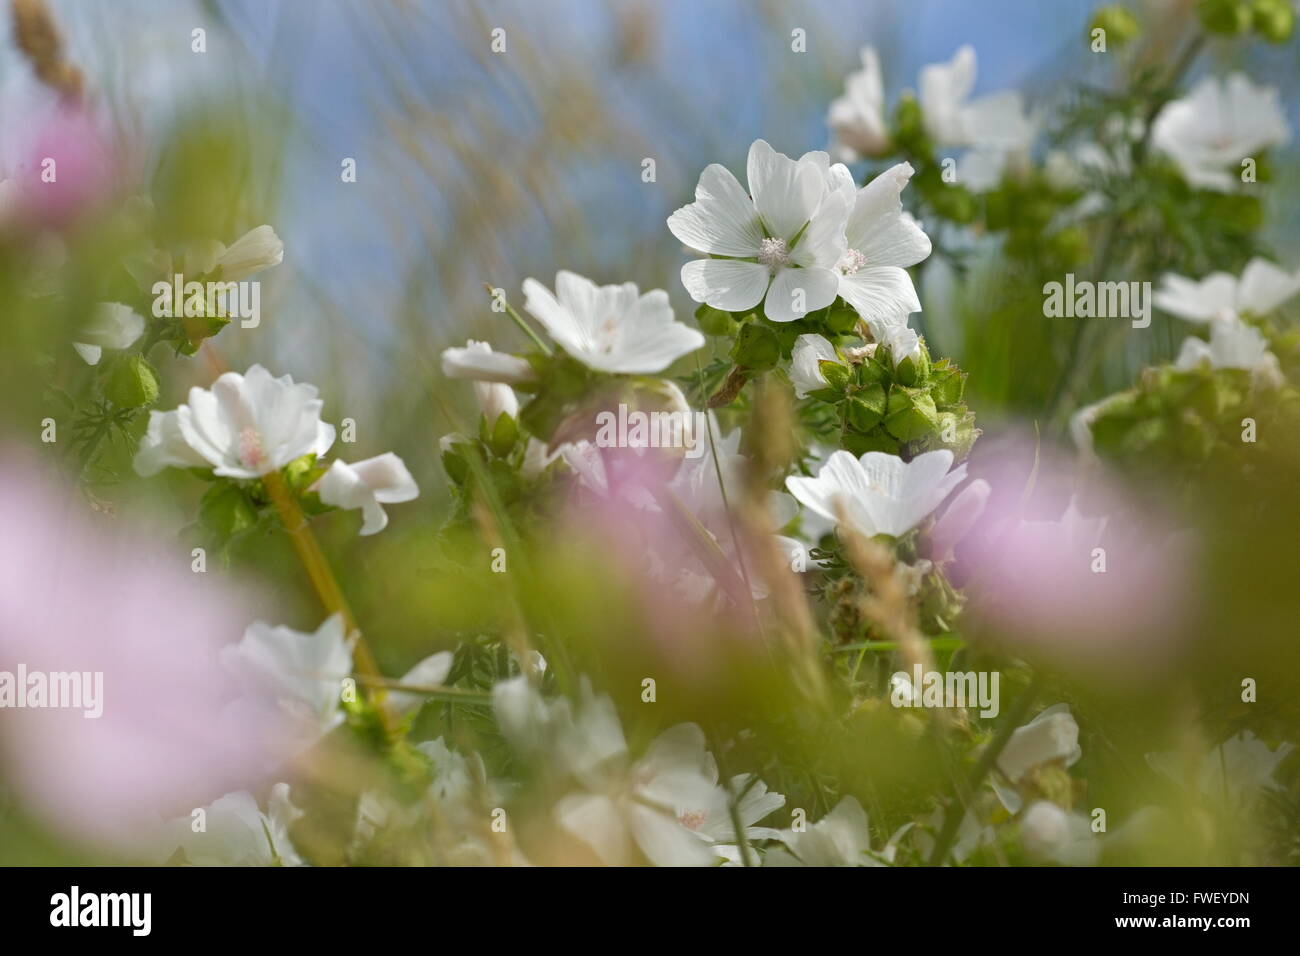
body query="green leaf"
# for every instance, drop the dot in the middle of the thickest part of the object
(837, 375)
(756, 348)
(226, 511)
(911, 414)
(867, 407)
(131, 382)
(505, 432)
(715, 321)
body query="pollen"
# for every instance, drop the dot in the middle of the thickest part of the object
(250, 448)
(691, 819)
(773, 253)
(851, 262)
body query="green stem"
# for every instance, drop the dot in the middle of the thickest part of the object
(519, 321)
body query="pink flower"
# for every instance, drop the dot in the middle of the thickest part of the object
(67, 167)
(76, 599)
(1080, 571)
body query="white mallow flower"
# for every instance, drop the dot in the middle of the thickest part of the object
(668, 804)
(1217, 125)
(857, 119)
(1235, 771)
(781, 241)
(1261, 288)
(1232, 344)
(953, 119)
(611, 328)
(236, 832)
(1051, 736)
(477, 362)
(368, 485)
(879, 493)
(903, 342)
(841, 838)
(164, 446)
(112, 326)
(304, 673)
(881, 240)
(1050, 833)
(805, 363)
(246, 426)
(255, 250)
(496, 400)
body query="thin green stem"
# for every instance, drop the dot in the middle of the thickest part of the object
(519, 321)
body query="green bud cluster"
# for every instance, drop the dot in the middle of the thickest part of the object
(906, 409)
(1189, 418)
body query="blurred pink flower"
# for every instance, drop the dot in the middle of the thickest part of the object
(75, 598)
(654, 516)
(1080, 570)
(66, 167)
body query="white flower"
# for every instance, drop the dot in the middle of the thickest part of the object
(1050, 833)
(246, 426)
(668, 804)
(164, 446)
(841, 838)
(112, 326)
(527, 719)
(903, 343)
(1221, 122)
(479, 363)
(881, 240)
(368, 485)
(611, 328)
(1261, 289)
(857, 119)
(1232, 344)
(237, 833)
(303, 672)
(805, 363)
(781, 245)
(252, 252)
(430, 672)
(1051, 736)
(958, 518)
(997, 120)
(1235, 771)
(879, 493)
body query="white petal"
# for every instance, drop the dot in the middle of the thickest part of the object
(786, 192)
(722, 220)
(430, 672)
(725, 283)
(478, 362)
(252, 252)
(812, 289)
(1264, 287)
(805, 369)
(880, 294)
